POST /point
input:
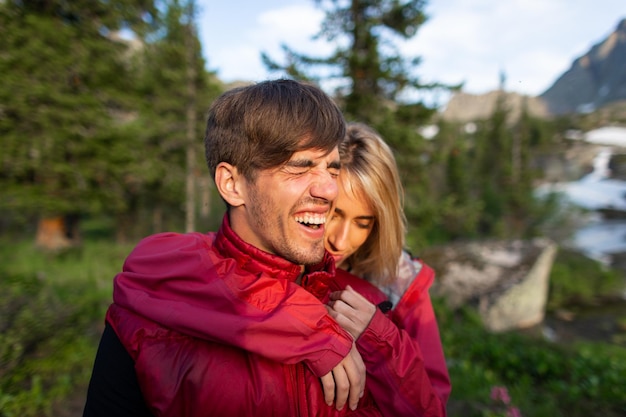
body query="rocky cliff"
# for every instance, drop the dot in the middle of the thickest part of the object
(595, 79)
(464, 107)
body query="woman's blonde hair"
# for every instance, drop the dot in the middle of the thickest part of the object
(369, 171)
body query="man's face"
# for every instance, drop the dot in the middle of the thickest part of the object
(286, 207)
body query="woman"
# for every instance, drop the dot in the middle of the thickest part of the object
(365, 236)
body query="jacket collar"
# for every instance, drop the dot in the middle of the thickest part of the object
(254, 260)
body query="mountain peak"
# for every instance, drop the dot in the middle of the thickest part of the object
(594, 79)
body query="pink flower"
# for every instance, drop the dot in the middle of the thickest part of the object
(513, 412)
(499, 393)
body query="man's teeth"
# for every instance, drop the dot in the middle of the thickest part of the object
(311, 219)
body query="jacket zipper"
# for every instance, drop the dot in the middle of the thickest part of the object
(299, 387)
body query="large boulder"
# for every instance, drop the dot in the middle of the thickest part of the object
(507, 281)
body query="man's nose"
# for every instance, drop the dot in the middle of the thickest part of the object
(325, 186)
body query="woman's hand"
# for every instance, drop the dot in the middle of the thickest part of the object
(351, 310)
(346, 382)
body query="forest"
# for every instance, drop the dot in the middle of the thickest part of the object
(102, 120)
(102, 108)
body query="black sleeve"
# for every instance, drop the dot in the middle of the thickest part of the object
(113, 388)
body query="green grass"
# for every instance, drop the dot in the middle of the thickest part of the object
(51, 314)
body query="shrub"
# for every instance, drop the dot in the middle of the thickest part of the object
(51, 315)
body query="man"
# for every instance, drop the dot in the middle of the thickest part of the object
(272, 151)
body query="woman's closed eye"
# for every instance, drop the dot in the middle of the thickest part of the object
(365, 224)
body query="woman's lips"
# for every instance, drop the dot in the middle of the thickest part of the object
(338, 259)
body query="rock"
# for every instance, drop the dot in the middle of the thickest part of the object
(523, 304)
(506, 280)
(465, 107)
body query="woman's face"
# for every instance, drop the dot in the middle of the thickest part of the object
(349, 225)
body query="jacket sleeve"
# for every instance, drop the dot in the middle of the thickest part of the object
(407, 372)
(173, 280)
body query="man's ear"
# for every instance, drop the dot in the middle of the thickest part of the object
(229, 183)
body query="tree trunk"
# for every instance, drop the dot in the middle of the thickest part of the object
(205, 187)
(190, 200)
(52, 234)
(157, 219)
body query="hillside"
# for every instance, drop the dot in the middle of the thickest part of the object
(596, 80)
(464, 107)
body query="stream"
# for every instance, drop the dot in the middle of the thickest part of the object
(602, 236)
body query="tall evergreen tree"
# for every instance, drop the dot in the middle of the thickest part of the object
(174, 91)
(372, 75)
(493, 165)
(65, 82)
(503, 176)
(93, 110)
(460, 211)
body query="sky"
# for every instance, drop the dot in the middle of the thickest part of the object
(531, 42)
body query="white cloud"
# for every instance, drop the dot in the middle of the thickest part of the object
(294, 26)
(299, 21)
(233, 40)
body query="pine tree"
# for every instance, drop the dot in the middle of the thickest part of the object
(174, 91)
(93, 117)
(372, 74)
(65, 80)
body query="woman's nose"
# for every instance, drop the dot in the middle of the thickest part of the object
(338, 235)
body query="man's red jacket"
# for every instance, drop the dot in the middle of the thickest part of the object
(218, 327)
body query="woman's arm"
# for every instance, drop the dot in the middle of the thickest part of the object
(407, 373)
(415, 315)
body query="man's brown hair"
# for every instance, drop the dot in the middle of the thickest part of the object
(260, 126)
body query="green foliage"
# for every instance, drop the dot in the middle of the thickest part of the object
(544, 379)
(92, 125)
(62, 80)
(173, 89)
(367, 58)
(92, 122)
(51, 312)
(481, 178)
(576, 280)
